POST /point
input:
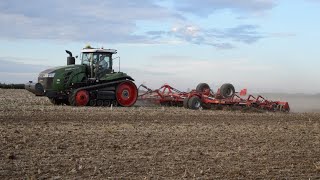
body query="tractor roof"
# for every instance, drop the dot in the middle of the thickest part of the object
(93, 50)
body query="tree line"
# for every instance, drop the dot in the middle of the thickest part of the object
(11, 86)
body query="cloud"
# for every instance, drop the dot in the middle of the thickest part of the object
(219, 38)
(107, 21)
(244, 33)
(207, 7)
(116, 21)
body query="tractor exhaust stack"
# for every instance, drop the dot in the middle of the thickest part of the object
(70, 60)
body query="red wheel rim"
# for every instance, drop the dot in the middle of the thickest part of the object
(127, 93)
(82, 98)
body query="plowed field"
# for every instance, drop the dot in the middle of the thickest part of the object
(40, 141)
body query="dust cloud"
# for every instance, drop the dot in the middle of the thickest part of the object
(298, 102)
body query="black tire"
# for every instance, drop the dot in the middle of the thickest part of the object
(185, 103)
(99, 102)
(202, 87)
(72, 98)
(227, 90)
(194, 103)
(92, 102)
(106, 103)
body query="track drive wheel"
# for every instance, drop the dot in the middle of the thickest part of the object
(194, 103)
(126, 94)
(79, 98)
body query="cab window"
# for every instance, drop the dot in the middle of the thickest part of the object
(86, 57)
(104, 60)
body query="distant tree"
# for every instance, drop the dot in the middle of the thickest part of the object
(11, 86)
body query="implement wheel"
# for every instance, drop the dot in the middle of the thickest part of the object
(203, 88)
(194, 103)
(126, 94)
(227, 90)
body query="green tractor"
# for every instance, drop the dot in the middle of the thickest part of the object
(92, 83)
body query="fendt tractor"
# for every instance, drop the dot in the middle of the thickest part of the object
(92, 83)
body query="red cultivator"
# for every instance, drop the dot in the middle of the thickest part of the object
(204, 97)
(165, 95)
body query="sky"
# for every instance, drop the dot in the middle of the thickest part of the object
(261, 45)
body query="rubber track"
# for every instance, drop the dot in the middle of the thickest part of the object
(72, 99)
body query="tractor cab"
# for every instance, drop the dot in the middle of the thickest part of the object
(98, 62)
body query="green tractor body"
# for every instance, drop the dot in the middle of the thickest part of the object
(93, 82)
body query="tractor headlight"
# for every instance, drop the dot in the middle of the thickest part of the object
(49, 75)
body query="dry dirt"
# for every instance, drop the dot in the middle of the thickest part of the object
(40, 141)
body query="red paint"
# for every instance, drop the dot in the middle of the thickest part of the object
(82, 98)
(126, 93)
(243, 92)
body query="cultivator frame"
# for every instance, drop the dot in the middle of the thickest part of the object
(165, 95)
(207, 99)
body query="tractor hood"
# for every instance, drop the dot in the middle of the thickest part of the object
(51, 72)
(59, 78)
(46, 72)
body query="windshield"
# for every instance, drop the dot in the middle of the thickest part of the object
(86, 58)
(104, 61)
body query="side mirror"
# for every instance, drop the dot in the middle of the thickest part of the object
(119, 61)
(76, 57)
